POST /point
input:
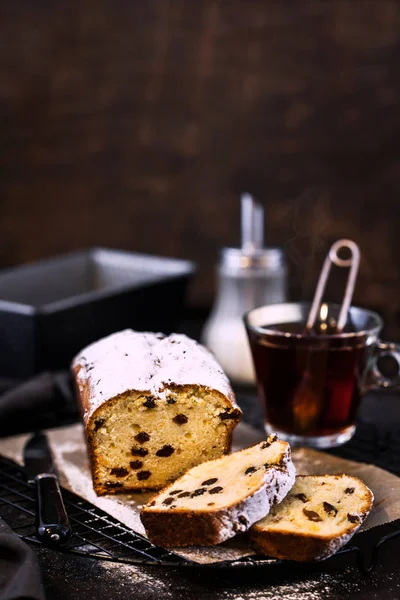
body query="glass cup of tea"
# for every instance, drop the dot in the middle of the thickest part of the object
(311, 382)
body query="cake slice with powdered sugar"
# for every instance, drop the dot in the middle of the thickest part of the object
(319, 515)
(216, 500)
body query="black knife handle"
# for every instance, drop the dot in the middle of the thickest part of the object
(52, 524)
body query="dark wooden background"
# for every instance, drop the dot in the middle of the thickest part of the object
(136, 124)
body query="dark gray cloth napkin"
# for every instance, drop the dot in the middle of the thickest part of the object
(20, 577)
(46, 400)
(43, 401)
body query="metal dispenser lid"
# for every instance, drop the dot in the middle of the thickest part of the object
(252, 258)
(236, 261)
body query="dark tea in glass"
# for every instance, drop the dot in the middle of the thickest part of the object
(311, 382)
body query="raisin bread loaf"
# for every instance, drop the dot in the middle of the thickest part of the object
(220, 498)
(153, 406)
(319, 515)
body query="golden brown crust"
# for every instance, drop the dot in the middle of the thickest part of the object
(176, 528)
(291, 546)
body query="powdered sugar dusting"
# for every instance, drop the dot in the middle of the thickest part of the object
(146, 362)
(259, 504)
(230, 513)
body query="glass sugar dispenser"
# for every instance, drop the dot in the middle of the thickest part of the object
(248, 277)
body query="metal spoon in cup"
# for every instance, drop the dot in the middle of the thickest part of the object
(308, 400)
(333, 258)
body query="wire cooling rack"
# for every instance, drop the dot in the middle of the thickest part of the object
(98, 535)
(373, 447)
(95, 533)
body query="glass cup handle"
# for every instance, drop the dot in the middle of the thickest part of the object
(378, 379)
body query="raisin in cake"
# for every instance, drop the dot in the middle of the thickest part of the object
(153, 406)
(220, 498)
(319, 515)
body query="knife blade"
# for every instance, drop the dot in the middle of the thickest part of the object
(52, 523)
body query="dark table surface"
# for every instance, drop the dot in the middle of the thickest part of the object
(68, 576)
(71, 577)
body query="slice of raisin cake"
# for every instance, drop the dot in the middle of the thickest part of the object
(319, 515)
(153, 406)
(220, 498)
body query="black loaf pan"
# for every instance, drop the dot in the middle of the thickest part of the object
(51, 309)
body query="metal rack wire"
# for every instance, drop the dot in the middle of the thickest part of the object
(98, 535)
(371, 446)
(95, 533)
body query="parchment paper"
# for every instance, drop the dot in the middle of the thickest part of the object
(70, 454)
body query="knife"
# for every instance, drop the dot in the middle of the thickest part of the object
(52, 523)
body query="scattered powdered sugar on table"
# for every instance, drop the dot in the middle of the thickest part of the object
(314, 589)
(130, 576)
